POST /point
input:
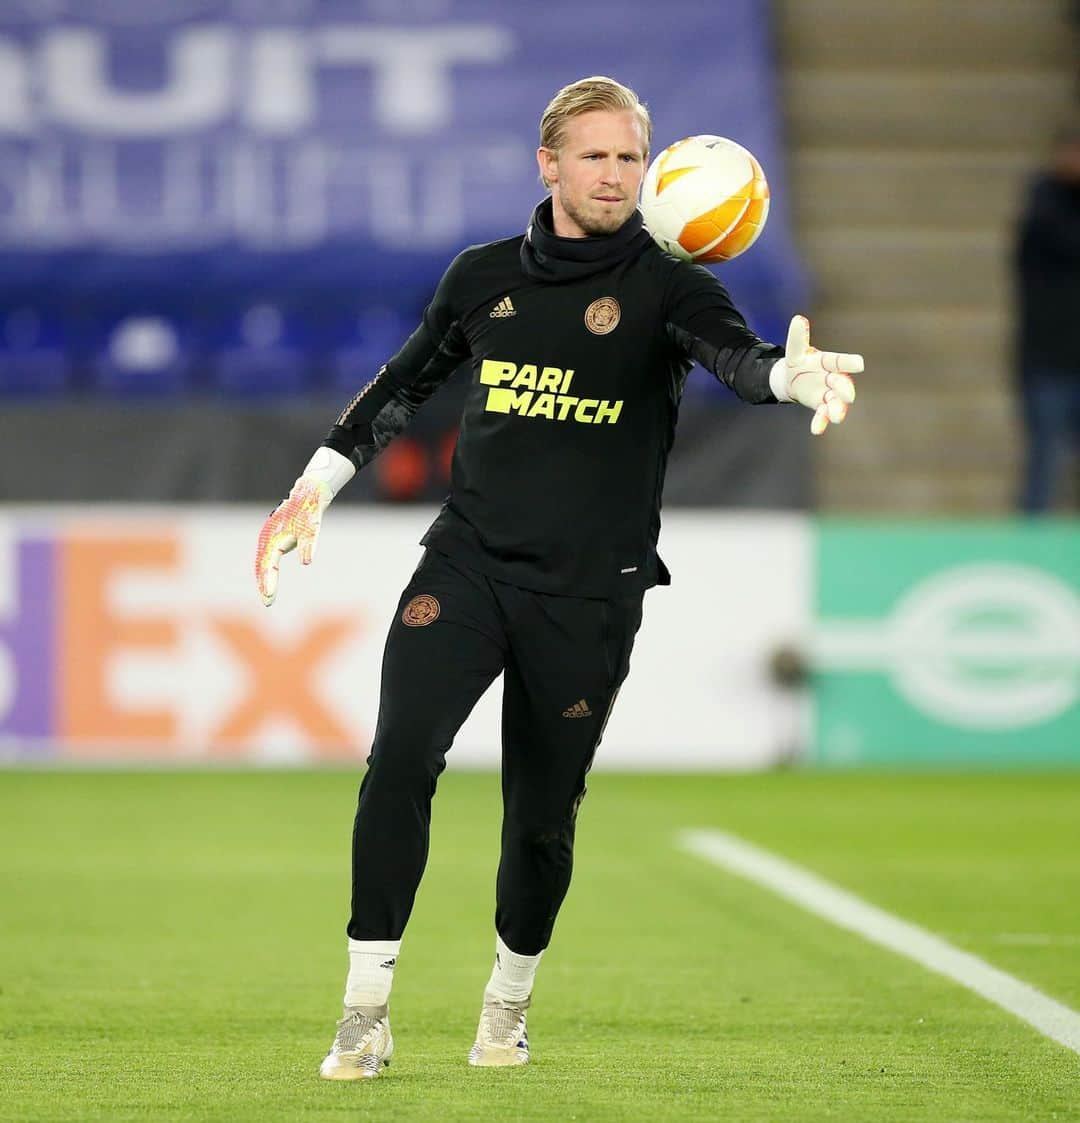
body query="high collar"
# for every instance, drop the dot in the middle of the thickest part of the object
(545, 256)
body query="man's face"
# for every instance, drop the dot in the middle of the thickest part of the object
(596, 175)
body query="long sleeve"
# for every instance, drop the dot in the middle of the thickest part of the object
(704, 325)
(426, 360)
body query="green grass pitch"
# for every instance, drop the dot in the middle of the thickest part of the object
(172, 947)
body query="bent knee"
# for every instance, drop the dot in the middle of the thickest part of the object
(401, 761)
(540, 835)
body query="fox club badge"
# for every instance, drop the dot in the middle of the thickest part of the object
(602, 316)
(421, 610)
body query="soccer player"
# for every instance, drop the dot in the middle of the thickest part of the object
(580, 334)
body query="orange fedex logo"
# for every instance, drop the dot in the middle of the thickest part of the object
(91, 665)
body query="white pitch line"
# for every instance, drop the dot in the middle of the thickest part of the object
(818, 896)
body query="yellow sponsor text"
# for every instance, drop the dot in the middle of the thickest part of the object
(531, 391)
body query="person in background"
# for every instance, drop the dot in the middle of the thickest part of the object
(1048, 343)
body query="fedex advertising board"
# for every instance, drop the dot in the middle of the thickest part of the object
(138, 637)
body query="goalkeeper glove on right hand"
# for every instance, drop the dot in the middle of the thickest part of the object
(816, 379)
(296, 520)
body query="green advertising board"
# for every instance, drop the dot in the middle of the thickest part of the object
(948, 644)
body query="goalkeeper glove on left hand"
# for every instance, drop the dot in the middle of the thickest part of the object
(816, 379)
(296, 520)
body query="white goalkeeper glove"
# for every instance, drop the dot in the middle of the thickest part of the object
(816, 379)
(296, 520)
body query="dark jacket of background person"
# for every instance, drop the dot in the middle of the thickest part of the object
(1049, 321)
(1050, 275)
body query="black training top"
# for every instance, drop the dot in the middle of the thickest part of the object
(579, 349)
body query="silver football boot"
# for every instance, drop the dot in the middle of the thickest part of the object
(501, 1037)
(363, 1045)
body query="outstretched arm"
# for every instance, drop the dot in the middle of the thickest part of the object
(705, 326)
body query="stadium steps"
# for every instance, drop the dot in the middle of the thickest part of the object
(992, 109)
(902, 189)
(875, 267)
(958, 342)
(957, 33)
(912, 131)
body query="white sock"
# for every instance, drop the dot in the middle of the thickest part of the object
(371, 971)
(513, 974)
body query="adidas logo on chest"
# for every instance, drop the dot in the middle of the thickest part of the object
(503, 309)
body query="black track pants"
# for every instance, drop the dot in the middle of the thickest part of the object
(563, 659)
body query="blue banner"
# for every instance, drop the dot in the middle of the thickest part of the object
(155, 149)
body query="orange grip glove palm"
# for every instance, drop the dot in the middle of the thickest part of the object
(295, 522)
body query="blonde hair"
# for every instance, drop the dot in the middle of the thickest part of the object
(597, 92)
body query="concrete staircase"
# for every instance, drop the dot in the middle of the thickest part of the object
(912, 129)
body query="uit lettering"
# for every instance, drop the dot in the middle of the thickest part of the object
(531, 391)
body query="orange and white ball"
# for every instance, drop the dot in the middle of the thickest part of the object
(705, 199)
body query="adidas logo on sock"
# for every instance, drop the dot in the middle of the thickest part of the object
(503, 309)
(578, 709)
(389, 964)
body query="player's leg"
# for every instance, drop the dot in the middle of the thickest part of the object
(444, 648)
(568, 658)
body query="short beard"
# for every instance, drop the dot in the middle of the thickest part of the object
(593, 228)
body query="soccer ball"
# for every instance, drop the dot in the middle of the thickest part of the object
(705, 199)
